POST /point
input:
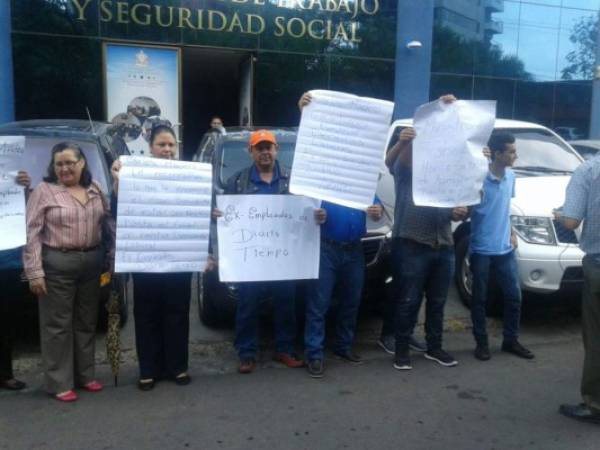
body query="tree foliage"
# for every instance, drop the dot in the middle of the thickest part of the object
(582, 59)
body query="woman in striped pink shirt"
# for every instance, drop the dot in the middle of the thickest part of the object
(63, 261)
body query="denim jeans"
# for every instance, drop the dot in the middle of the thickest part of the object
(506, 274)
(337, 264)
(283, 294)
(590, 321)
(429, 270)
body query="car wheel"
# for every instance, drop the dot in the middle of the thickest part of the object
(464, 280)
(216, 308)
(462, 275)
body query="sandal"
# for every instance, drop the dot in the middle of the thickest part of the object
(183, 379)
(145, 385)
(68, 396)
(93, 386)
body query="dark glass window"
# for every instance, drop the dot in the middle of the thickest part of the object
(460, 86)
(280, 81)
(501, 90)
(534, 102)
(368, 78)
(57, 77)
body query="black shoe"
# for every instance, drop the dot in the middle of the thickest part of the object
(315, 368)
(388, 344)
(417, 346)
(580, 412)
(183, 380)
(402, 359)
(145, 385)
(517, 349)
(441, 357)
(482, 352)
(12, 385)
(349, 357)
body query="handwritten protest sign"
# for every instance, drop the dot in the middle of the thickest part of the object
(340, 148)
(448, 163)
(267, 238)
(12, 149)
(12, 215)
(163, 215)
(12, 196)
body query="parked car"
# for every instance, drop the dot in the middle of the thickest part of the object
(548, 254)
(217, 301)
(586, 148)
(568, 133)
(100, 147)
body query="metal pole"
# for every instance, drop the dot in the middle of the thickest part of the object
(7, 99)
(595, 109)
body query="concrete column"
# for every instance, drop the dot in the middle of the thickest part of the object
(7, 98)
(595, 110)
(413, 65)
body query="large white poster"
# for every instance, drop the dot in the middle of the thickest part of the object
(340, 148)
(142, 90)
(163, 215)
(448, 162)
(12, 196)
(268, 238)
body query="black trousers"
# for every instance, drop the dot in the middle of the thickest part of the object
(10, 295)
(161, 311)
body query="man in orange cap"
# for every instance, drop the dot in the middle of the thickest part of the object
(265, 176)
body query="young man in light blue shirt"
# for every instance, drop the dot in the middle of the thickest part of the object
(493, 245)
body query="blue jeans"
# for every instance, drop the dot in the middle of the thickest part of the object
(283, 294)
(346, 265)
(429, 270)
(506, 274)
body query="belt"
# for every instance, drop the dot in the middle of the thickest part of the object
(351, 245)
(67, 250)
(433, 245)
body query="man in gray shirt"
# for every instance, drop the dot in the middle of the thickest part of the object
(422, 255)
(582, 203)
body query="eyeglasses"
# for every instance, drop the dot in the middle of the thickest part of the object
(67, 164)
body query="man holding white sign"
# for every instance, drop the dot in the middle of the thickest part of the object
(264, 176)
(341, 263)
(422, 255)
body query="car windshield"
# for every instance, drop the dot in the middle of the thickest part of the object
(539, 151)
(585, 151)
(37, 158)
(236, 157)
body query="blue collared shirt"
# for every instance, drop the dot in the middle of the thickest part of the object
(490, 219)
(582, 202)
(264, 187)
(344, 224)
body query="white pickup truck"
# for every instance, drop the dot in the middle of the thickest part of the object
(548, 255)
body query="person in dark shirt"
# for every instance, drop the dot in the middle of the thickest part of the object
(423, 255)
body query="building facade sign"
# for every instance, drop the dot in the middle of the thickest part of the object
(348, 27)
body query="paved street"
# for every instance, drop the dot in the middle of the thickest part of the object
(505, 403)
